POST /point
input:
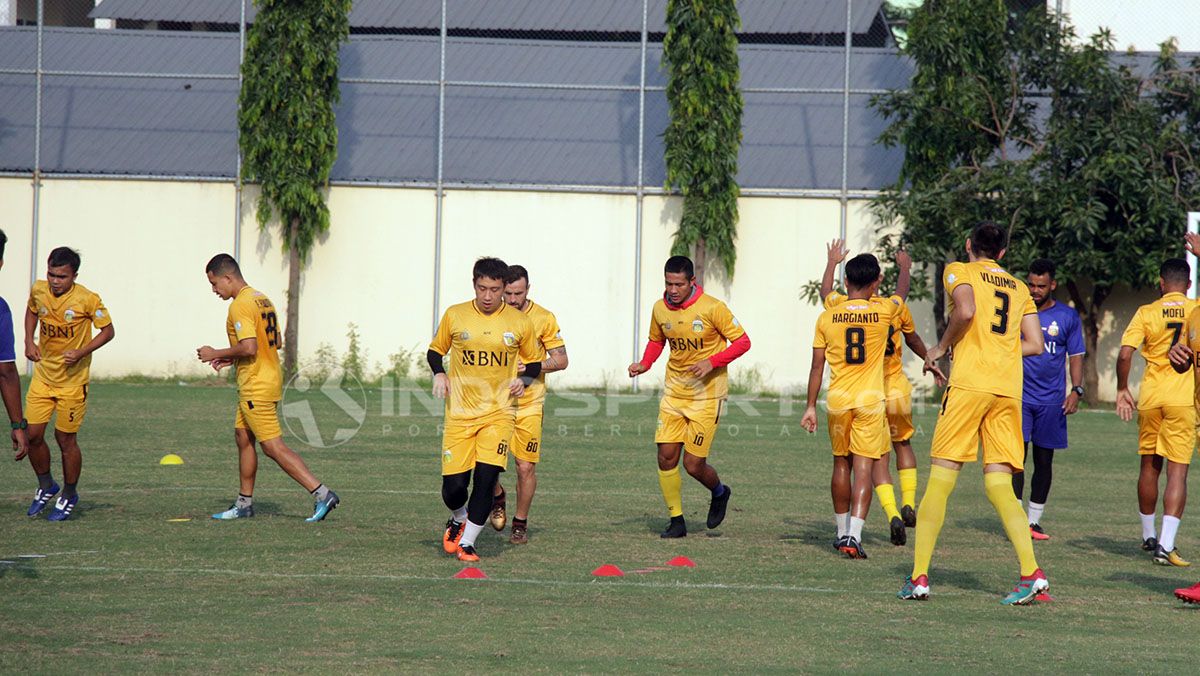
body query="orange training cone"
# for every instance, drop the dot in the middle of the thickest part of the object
(681, 562)
(608, 570)
(470, 573)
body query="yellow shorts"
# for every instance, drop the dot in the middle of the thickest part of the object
(43, 401)
(260, 417)
(485, 439)
(1169, 431)
(861, 431)
(692, 422)
(899, 418)
(966, 416)
(527, 435)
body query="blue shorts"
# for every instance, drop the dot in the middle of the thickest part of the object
(1045, 426)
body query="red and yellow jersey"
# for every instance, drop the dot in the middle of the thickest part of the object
(698, 330)
(252, 315)
(65, 323)
(483, 352)
(1154, 329)
(988, 356)
(547, 336)
(854, 335)
(896, 383)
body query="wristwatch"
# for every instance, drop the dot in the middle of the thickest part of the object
(20, 425)
(1078, 389)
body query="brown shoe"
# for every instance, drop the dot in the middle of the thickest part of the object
(520, 535)
(498, 517)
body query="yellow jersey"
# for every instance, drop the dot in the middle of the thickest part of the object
(483, 351)
(1154, 329)
(65, 323)
(252, 315)
(854, 335)
(702, 328)
(988, 356)
(547, 337)
(894, 380)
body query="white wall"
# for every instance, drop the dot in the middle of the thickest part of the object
(1137, 24)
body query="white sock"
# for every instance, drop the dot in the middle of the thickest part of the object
(856, 525)
(470, 532)
(1148, 529)
(842, 521)
(460, 514)
(1035, 512)
(1170, 525)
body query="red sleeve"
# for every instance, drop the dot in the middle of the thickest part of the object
(736, 349)
(654, 348)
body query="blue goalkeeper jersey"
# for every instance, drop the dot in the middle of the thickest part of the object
(1046, 374)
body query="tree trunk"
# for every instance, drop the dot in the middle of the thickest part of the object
(1090, 314)
(291, 335)
(700, 259)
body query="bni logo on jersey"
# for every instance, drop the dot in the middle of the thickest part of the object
(323, 408)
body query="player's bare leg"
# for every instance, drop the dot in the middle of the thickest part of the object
(1174, 500)
(243, 505)
(526, 486)
(1147, 490)
(703, 472)
(906, 467)
(839, 491)
(672, 488)
(861, 484)
(881, 477)
(72, 460)
(291, 463)
(39, 460)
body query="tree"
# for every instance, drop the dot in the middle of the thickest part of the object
(288, 134)
(704, 133)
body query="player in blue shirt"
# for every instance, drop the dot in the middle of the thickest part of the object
(10, 380)
(1045, 403)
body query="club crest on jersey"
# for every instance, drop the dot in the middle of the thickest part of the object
(951, 277)
(1052, 329)
(69, 315)
(237, 326)
(697, 326)
(464, 335)
(99, 314)
(509, 338)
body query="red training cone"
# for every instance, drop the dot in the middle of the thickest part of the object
(608, 570)
(470, 573)
(681, 562)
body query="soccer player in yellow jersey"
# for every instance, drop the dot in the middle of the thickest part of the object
(482, 341)
(704, 337)
(1165, 406)
(899, 397)
(993, 323)
(254, 341)
(527, 436)
(63, 314)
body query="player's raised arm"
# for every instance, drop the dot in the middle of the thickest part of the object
(904, 278)
(835, 253)
(815, 374)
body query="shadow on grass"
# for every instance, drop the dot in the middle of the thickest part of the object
(18, 570)
(1153, 583)
(816, 533)
(1124, 547)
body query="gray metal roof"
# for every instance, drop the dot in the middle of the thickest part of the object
(758, 16)
(500, 135)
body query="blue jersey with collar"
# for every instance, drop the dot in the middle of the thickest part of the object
(1046, 374)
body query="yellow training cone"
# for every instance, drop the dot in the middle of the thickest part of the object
(171, 459)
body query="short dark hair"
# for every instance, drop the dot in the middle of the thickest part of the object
(516, 272)
(64, 256)
(677, 264)
(862, 270)
(1175, 271)
(223, 264)
(988, 239)
(492, 268)
(3, 242)
(1043, 266)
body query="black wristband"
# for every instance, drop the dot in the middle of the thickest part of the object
(532, 371)
(435, 362)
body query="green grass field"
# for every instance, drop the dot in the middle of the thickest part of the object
(121, 588)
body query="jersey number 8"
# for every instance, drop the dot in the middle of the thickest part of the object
(856, 345)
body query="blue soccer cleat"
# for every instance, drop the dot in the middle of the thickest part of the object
(63, 508)
(1027, 589)
(235, 512)
(324, 507)
(42, 498)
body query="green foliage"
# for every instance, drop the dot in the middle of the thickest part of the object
(401, 362)
(355, 361)
(322, 363)
(288, 135)
(704, 133)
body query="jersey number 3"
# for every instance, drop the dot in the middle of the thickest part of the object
(1001, 325)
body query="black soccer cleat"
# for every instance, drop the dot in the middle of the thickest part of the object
(899, 537)
(716, 508)
(676, 529)
(1149, 544)
(909, 515)
(852, 548)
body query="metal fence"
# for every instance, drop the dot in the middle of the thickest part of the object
(438, 96)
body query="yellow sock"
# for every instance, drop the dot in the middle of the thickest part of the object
(999, 491)
(908, 486)
(672, 490)
(887, 500)
(931, 515)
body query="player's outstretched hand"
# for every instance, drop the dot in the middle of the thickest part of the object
(636, 369)
(809, 420)
(441, 385)
(32, 351)
(1191, 242)
(701, 368)
(931, 359)
(903, 260)
(20, 444)
(1180, 356)
(1125, 405)
(517, 387)
(836, 251)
